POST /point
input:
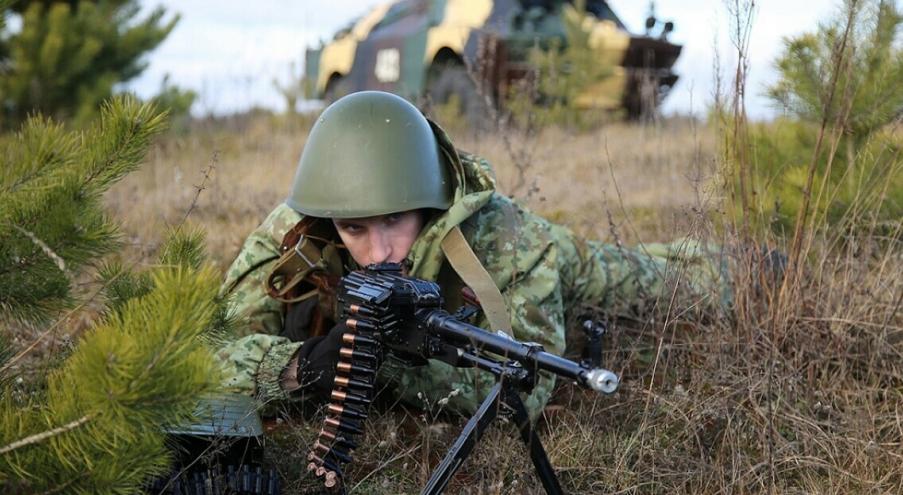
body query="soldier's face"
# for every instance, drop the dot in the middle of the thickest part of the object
(380, 239)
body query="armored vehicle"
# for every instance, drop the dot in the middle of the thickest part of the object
(480, 48)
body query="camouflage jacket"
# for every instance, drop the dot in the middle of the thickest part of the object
(545, 274)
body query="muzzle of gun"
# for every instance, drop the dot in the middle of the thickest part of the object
(531, 356)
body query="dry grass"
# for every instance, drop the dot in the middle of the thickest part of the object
(650, 173)
(250, 162)
(572, 179)
(806, 401)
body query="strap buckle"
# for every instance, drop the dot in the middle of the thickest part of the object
(300, 253)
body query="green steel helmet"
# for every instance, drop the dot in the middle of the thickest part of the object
(370, 153)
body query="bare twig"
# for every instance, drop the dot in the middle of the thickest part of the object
(52, 329)
(44, 435)
(208, 173)
(793, 269)
(60, 263)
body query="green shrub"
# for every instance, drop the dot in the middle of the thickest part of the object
(841, 93)
(91, 420)
(69, 55)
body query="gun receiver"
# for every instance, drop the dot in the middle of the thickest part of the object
(387, 312)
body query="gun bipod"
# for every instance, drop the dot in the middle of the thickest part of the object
(510, 379)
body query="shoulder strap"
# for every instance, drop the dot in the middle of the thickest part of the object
(469, 268)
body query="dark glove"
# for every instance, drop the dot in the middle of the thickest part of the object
(317, 358)
(298, 320)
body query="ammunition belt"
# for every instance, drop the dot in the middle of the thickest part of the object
(359, 360)
(231, 479)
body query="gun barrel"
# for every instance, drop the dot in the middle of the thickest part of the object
(531, 356)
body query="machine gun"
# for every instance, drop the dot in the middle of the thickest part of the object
(387, 313)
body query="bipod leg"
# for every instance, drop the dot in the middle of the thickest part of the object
(472, 432)
(544, 468)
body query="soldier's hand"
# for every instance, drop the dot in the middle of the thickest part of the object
(298, 320)
(317, 360)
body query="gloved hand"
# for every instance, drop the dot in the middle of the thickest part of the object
(298, 320)
(317, 358)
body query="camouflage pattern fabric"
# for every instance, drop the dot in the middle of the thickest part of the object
(545, 274)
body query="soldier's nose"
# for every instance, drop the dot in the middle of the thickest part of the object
(380, 247)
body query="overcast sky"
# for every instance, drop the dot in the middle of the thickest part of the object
(230, 51)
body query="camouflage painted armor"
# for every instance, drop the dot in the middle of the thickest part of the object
(419, 47)
(545, 274)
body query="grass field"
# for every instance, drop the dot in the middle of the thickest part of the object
(653, 175)
(796, 392)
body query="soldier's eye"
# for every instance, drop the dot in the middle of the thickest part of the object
(351, 228)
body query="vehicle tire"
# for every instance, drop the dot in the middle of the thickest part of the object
(448, 81)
